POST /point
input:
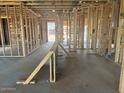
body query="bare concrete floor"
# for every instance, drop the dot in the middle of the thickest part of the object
(82, 73)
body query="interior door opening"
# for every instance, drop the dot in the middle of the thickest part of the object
(85, 36)
(51, 31)
(5, 32)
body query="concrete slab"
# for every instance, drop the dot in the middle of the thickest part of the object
(82, 73)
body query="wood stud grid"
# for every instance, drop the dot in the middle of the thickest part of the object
(89, 30)
(20, 31)
(120, 36)
(81, 30)
(95, 18)
(23, 33)
(25, 26)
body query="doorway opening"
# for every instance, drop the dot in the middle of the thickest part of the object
(51, 31)
(5, 31)
(85, 36)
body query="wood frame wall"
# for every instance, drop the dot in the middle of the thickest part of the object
(121, 85)
(25, 32)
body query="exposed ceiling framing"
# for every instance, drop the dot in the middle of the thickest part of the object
(45, 6)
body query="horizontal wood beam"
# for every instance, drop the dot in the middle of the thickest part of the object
(10, 3)
(54, 0)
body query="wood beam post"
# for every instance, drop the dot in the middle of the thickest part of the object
(120, 33)
(70, 30)
(1, 36)
(30, 33)
(22, 29)
(10, 34)
(94, 28)
(82, 24)
(53, 68)
(89, 27)
(121, 85)
(99, 35)
(104, 31)
(16, 28)
(75, 31)
(120, 46)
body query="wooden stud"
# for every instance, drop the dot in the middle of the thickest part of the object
(116, 20)
(10, 36)
(78, 30)
(54, 64)
(30, 34)
(120, 47)
(26, 28)
(16, 28)
(121, 85)
(99, 35)
(75, 31)
(110, 37)
(119, 33)
(54, 58)
(69, 31)
(22, 29)
(61, 27)
(51, 69)
(2, 40)
(89, 28)
(94, 28)
(33, 39)
(37, 33)
(82, 24)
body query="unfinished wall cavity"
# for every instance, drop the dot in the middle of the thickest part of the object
(20, 31)
(120, 36)
(92, 27)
